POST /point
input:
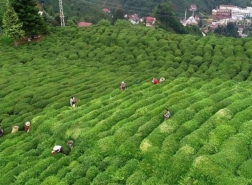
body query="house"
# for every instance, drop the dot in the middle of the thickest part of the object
(106, 10)
(214, 12)
(205, 30)
(84, 24)
(240, 31)
(222, 13)
(240, 13)
(150, 21)
(197, 18)
(214, 25)
(190, 21)
(183, 22)
(193, 7)
(234, 12)
(133, 18)
(227, 7)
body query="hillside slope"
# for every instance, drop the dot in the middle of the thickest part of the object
(120, 136)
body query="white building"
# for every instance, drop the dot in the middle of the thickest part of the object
(239, 13)
(227, 7)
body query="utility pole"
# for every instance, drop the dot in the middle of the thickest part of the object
(62, 21)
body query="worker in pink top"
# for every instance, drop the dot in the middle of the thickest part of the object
(155, 81)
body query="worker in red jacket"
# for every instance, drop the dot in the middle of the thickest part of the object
(155, 81)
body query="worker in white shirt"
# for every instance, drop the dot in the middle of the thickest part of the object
(57, 149)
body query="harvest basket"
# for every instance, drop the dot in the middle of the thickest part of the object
(14, 129)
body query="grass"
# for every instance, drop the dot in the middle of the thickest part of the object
(120, 136)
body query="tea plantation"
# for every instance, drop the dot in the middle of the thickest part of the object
(121, 136)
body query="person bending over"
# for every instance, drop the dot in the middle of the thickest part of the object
(27, 126)
(154, 81)
(57, 149)
(167, 114)
(72, 101)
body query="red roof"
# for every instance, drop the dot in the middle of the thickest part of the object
(105, 10)
(150, 19)
(84, 24)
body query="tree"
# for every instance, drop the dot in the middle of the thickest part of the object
(27, 12)
(12, 25)
(167, 19)
(230, 30)
(2, 10)
(119, 14)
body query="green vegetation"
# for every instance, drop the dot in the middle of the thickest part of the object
(168, 21)
(121, 136)
(12, 24)
(32, 22)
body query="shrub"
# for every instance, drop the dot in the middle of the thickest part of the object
(136, 178)
(122, 134)
(106, 145)
(82, 181)
(247, 45)
(177, 52)
(129, 148)
(33, 181)
(76, 173)
(51, 180)
(177, 59)
(230, 156)
(92, 172)
(220, 134)
(249, 53)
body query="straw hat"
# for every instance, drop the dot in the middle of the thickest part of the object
(162, 79)
(27, 123)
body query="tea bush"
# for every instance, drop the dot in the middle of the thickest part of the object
(244, 169)
(120, 137)
(136, 178)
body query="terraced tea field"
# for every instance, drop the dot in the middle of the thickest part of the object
(121, 136)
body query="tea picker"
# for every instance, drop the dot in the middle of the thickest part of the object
(70, 144)
(123, 85)
(27, 126)
(167, 114)
(57, 149)
(73, 101)
(1, 132)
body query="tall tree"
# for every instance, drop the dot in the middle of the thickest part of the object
(119, 14)
(12, 25)
(2, 10)
(230, 30)
(27, 12)
(167, 18)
